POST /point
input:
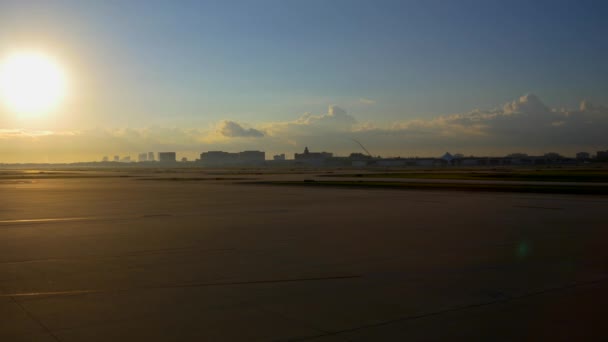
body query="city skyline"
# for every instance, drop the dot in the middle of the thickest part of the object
(524, 125)
(405, 78)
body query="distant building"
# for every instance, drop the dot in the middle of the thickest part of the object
(553, 156)
(218, 157)
(359, 156)
(315, 158)
(126, 159)
(105, 159)
(279, 157)
(252, 157)
(359, 159)
(184, 159)
(142, 157)
(221, 158)
(390, 162)
(167, 157)
(517, 155)
(447, 157)
(116, 158)
(150, 156)
(583, 156)
(602, 155)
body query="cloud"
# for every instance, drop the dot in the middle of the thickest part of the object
(22, 133)
(527, 104)
(366, 101)
(336, 119)
(525, 124)
(234, 130)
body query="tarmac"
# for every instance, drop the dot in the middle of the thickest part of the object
(172, 257)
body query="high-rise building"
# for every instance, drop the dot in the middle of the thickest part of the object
(218, 158)
(150, 156)
(142, 157)
(312, 156)
(252, 157)
(167, 157)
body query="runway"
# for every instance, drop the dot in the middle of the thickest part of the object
(109, 256)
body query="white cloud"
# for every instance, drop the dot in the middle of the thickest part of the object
(22, 133)
(525, 124)
(367, 101)
(234, 130)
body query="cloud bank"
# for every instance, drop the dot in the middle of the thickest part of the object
(233, 129)
(525, 124)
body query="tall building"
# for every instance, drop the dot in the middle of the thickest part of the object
(251, 157)
(167, 157)
(583, 156)
(142, 157)
(150, 156)
(312, 157)
(245, 158)
(218, 157)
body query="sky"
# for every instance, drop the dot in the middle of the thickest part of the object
(406, 78)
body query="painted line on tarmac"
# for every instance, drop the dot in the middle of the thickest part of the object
(133, 254)
(84, 218)
(49, 293)
(44, 220)
(175, 286)
(537, 207)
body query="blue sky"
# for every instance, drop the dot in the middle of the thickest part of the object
(195, 63)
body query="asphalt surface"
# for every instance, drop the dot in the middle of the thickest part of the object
(122, 258)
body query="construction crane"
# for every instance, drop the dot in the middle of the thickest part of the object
(363, 147)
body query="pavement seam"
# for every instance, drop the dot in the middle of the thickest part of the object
(287, 318)
(504, 299)
(33, 318)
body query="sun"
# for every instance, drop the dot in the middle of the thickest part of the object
(31, 83)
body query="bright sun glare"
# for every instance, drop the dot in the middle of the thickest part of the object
(31, 83)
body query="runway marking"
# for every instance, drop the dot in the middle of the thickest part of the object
(61, 219)
(84, 218)
(174, 286)
(49, 293)
(536, 207)
(140, 253)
